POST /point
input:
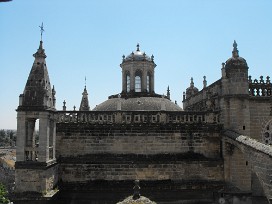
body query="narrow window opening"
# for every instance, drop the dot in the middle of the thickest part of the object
(244, 127)
(128, 83)
(51, 139)
(148, 83)
(246, 163)
(138, 82)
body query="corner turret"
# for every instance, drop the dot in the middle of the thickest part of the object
(236, 71)
(192, 90)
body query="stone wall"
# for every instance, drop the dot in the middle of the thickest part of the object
(184, 152)
(81, 139)
(41, 180)
(176, 170)
(260, 115)
(256, 155)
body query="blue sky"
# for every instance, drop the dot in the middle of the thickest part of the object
(88, 38)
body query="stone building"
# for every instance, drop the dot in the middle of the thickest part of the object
(196, 154)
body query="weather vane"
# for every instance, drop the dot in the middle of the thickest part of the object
(42, 30)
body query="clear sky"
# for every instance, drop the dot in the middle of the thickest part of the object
(88, 38)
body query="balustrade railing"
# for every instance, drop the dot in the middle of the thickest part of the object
(128, 117)
(31, 154)
(260, 87)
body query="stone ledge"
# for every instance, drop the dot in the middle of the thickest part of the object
(34, 165)
(138, 158)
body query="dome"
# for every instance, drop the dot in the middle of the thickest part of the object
(236, 61)
(138, 104)
(138, 56)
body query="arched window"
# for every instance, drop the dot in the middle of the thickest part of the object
(148, 82)
(138, 82)
(128, 83)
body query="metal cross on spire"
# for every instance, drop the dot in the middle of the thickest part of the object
(42, 30)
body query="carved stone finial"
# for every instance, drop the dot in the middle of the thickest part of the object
(123, 57)
(204, 82)
(136, 188)
(138, 47)
(268, 80)
(168, 93)
(64, 106)
(223, 65)
(192, 82)
(235, 52)
(249, 79)
(234, 45)
(74, 108)
(152, 58)
(261, 80)
(53, 91)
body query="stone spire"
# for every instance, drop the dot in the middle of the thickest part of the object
(168, 93)
(84, 105)
(38, 94)
(235, 52)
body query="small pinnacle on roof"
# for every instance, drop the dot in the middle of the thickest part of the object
(138, 47)
(204, 82)
(64, 106)
(192, 82)
(152, 58)
(235, 52)
(168, 93)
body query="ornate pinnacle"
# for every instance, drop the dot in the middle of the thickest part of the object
(234, 45)
(138, 47)
(192, 82)
(235, 52)
(152, 58)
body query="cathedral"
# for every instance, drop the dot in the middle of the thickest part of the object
(214, 149)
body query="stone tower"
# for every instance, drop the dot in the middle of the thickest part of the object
(36, 166)
(235, 92)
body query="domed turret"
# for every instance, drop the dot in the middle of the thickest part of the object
(138, 74)
(138, 87)
(192, 90)
(236, 61)
(236, 72)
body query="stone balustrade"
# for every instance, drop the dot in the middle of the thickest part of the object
(260, 87)
(134, 117)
